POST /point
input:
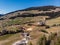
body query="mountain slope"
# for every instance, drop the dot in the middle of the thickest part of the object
(44, 8)
(51, 11)
(1, 15)
(55, 21)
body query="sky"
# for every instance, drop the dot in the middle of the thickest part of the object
(7, 6)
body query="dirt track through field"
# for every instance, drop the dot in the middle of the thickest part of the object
(3, 41)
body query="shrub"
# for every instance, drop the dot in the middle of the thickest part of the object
(11, 32)
(52, 36)
(53, 39)
(42, 40)
(54, 25)
(47, 27)
(58, 24)
(4, 32)
(30, 43)
(44, 31)
(19, 31)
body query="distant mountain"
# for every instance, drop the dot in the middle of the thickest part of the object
(1, 14)
(44, 8)
(52, 11)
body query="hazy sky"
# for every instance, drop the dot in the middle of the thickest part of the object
(12, 5)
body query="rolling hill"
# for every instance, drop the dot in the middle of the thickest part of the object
(51, 11)
(12, 22)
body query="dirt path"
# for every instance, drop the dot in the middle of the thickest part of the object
(3, 41)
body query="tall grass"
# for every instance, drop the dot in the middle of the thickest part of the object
(53, 39)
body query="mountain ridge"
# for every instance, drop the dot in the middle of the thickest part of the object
(32, 8)
(52, 11)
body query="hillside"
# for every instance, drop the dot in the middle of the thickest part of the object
(42, 8)
(16, 19)
(51, 11)
(40, 22)
(53, 21)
